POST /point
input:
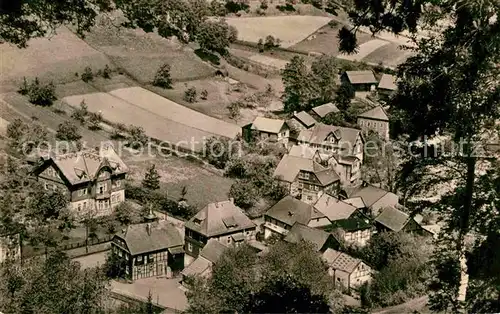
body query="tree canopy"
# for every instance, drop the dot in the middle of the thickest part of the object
(448, 87)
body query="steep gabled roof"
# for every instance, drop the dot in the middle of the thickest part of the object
(84, 166)
(361, 77)
(325, 109)
(300, 232)
(160, 236)
(369, 193)
(333, 208)
(290, 210)
(393, 218)
(267, 125)
(219, 218)
(345, 263)
(318, 134)
(305, 118)
(290, 166)
(388, 82)
(377, 113)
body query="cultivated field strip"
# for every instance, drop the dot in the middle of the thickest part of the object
(166, 108)
(118, 110)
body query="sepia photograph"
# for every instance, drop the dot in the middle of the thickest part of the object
(249, 156)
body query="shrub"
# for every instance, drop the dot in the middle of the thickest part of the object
(162, 78)
(264, 5)
(67, 131)
(204, 94)
(137, 136)
(87, 75)
(190, 94)
(106, 73)
(234, 110)
(218, 8)
(81, 113)
(260, 45)
(333, 24)
(38, 94)
(95, 119)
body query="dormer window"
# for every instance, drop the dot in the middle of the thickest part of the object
(197, 221)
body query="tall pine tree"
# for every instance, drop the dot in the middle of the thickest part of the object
(151, 179)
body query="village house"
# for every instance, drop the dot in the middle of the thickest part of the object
(305, 178)
(208, 257)
(361, 81)
(372, 198)
(375, 120)
(341, 148)
(222, 221)
(347, 272)
(392, 219)
(265, 129)
(10, 245)
(94, 180)
(321, 240)
(302, 120)
(323, 110)
(347, 222)
(387, 86)
(279, 219)
(329, 139)
(347, 167)
(150, 249)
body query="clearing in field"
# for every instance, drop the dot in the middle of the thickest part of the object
(57, 58)
(117, 110)
(166, 108)
(325, 40)
(389, 55)
(289, 29)
(364, 50)
(159, 117)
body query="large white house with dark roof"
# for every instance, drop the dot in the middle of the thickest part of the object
(93, 180)
(376, 120)
(222, 221)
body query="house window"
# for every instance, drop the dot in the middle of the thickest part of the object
(84, 205)
(228, 239)
(309, 198)
(79, 207)
(190, 247)
(139, 258)
(301, 185)
(120, 253)
(45, 186)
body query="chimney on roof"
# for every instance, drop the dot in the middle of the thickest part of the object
(231, 199)
(295, 112)
(290, 213)
(216, 204)
(148, 228)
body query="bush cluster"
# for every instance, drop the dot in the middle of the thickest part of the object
(38, 94)
(159, 200)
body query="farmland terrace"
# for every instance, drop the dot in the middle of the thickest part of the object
(160, 118)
